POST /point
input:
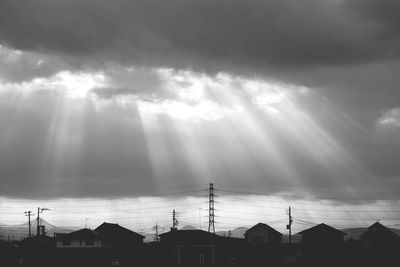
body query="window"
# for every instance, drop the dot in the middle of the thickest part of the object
(89, 243)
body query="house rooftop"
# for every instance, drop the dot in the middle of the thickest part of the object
(83, 234)
(264, 226)
(114, 230)
(378, 227)
(321, 227)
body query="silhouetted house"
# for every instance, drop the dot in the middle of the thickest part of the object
(188, 247)
(229, 250)
(380, 244)
(42, 241)
(262, 234)
(379, 236)
(33, 248)
(120, 236)
(10, 253)
(352, 251)
(262, 245)
(127, 246)
(322, 242)
(322, 235)
(84, 238)
(84, 247)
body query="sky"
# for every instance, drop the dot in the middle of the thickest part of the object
(114, 108)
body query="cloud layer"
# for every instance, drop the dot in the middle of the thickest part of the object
(204, 34)
(112, 98)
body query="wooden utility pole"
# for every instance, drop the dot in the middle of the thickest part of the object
(38, 222)
(156, 237)
(174, 220)
(29, 213)
(289, 226)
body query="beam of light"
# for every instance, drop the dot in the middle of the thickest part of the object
(230, 127)
(200, 128)
(59, 104)
(265, 119)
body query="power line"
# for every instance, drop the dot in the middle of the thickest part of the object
(308, 189)
(320, 197)
(358, 219)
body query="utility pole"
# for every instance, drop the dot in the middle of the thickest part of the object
(289, 226)
(39, 210)
(211, 221)
(174, 220)
(29, 213)
(37, 221)
(156, 238)
(200, 218)
(86, 219)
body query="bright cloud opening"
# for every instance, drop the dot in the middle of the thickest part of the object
(390, 118)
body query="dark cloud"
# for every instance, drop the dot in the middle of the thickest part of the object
(386, 13)
(346, 51)
(196, 34)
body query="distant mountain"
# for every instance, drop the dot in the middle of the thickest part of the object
(71, 228)
(188, 227)
(21, 231)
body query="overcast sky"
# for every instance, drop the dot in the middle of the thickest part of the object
(114, 99)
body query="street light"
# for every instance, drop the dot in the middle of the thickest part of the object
(40, 210)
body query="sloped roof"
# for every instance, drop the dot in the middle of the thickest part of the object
(188, 234)
(321, 227)
(83, 234)
(378, 227)
(264, 226)
(114, 230)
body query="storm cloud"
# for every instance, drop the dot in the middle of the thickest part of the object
(113, 98)
(206, 35)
